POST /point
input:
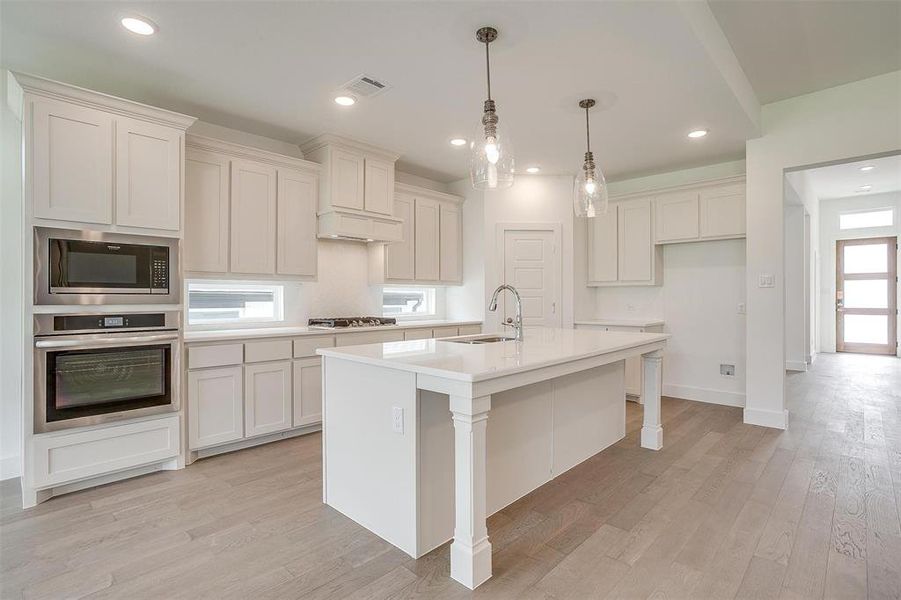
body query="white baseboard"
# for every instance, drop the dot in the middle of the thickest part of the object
(707, 395)
(767, 418)
(811, 359)
(10, 467)
(795, 365)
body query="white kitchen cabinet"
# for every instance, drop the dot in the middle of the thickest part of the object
(636, 243)
(215, 406)
(307, 391)
(357, 338)
(346, 178)
(417, 334)
(399, 256)
(450, 261)
(603, 247)
(71, 162)
(267, 398)
(298, 194)
(677, 217)
(469, 329)
(633, 365)
(206, 212)
(253, 217)
(426, 239)
(621, 246)
(378, 186)
(148, 175)
(722, 211)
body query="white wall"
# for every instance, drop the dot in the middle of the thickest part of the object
(796, 346)
(703, 285)
(11, 274)
(852, 120)
(829, 215)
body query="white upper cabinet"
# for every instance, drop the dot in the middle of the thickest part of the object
(298, 194)
(722, 211)
(105, 163)
(426, 240)
(378, 186)
(72, 162)
(636, 242)
(346, 179)
(148, 175)
(677, 217)
(399, 256)
(253, 217)
(451, 242)
(206, 212)
(603, 253)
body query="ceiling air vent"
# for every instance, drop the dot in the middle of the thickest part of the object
(364, 86)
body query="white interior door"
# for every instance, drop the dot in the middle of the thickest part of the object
(532, 266)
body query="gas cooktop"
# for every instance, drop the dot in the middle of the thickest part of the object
(343, 322)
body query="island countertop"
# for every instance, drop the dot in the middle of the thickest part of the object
(541, 347)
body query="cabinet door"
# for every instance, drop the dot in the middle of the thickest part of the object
(378, 186)
(603, 249)
(215, 406)
(425, 234)
(72, 153)
(399, 261)
(267, 397)
(253, 216)
(148, 175)
(450, 259)
(298, 194)
(723, 211)
(307, 391)
(206, 212)
(346, 179)
(636, 241)
(677, 217)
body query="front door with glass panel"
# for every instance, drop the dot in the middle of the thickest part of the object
(866, 295)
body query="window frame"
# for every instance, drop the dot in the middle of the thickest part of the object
(885, 209)
(277, 288)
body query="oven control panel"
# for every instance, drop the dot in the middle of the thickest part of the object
(104, 322)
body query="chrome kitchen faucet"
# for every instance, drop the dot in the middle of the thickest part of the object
(516, 324)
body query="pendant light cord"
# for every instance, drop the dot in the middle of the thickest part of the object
(488, 69)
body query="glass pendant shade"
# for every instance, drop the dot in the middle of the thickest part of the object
(491, 161)
(590, 194)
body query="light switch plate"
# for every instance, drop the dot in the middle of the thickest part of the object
(766, 280)
(397, 419)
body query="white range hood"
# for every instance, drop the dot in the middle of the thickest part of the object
(359, 226)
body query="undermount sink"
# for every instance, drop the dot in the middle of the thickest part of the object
(485, 339)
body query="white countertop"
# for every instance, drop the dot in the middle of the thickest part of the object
(620, 322)
(216, 335)
(541, 347)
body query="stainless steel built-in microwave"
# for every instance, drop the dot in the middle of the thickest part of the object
(89, 267)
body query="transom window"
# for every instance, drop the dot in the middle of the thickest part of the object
(883, 217)
(227, 302)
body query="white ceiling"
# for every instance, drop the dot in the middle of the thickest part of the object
(271, 68)
(843, 181)
(792, 47)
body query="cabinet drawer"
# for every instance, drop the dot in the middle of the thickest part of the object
(369, 337)
(440, 332)
(469, 329)
(417, 334)
(267, 350)
(69, 457)
(221, 355)
(307, 346)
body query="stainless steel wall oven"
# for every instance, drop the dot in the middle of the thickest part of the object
(94, 368)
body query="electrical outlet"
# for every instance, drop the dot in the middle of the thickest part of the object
(397, 419)
(742, 309)
(766, 280)
(727, 370)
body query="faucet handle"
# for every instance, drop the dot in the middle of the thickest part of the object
(509, 320)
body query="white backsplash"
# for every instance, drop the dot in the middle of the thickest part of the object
(342, 288)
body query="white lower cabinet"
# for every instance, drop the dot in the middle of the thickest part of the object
(215, 406)
(267, 398)
(66, 457)
(307, 391)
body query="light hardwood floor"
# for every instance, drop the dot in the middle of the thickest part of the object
(725, 510)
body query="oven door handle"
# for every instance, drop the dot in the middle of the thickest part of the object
(101, 342)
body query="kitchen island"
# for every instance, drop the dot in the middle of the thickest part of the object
(409, 451)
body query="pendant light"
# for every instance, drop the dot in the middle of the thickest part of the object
(590, 187)
(491, 155)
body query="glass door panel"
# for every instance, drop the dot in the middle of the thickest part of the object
(866, 295)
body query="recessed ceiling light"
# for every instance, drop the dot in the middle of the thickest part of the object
(866, 168)
(139, 25)
(697, 133)
(864, 188)
(345, 100)
(532, 170)
(458, 142)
